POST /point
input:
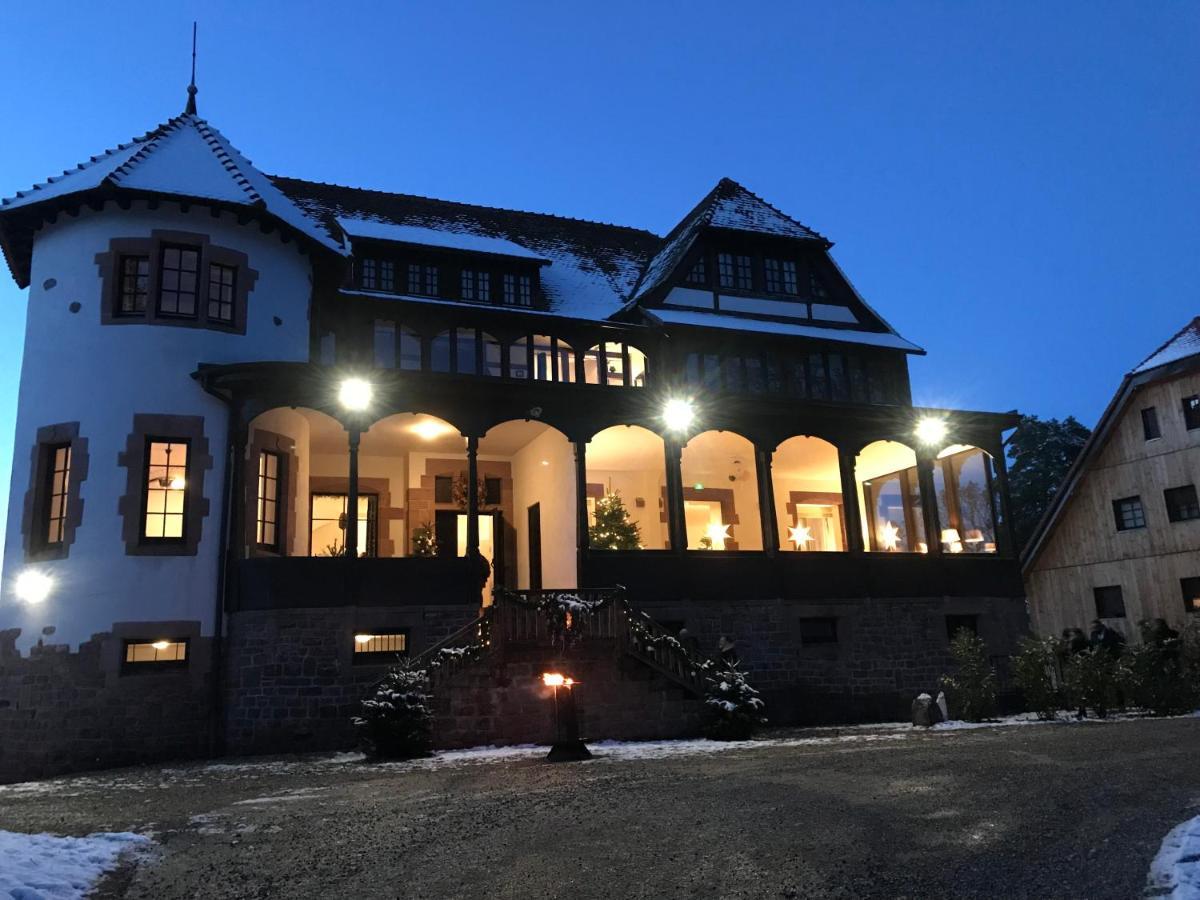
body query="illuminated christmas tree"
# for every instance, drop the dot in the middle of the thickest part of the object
(613, 529)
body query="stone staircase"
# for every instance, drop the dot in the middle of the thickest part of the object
(634, 680)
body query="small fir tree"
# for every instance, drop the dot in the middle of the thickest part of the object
(972, 692)
(734, 709)
(1035, 669)
(395, 721)
(614, 530)
(424, 541)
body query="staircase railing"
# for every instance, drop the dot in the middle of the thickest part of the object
(648, 641)
(458, 649)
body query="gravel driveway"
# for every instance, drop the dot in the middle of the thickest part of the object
(1069, 810)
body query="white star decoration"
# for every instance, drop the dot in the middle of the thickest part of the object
(800, 535)
(718, 533)
(890, 535)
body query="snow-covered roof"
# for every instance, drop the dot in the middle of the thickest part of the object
(1184, 344)
(434, 237)
(185, 157)
(728, 205)
(592, 266)
(885, 339)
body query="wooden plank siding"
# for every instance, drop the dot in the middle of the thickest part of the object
(1085, 550)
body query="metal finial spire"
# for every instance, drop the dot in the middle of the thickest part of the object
(191, 101)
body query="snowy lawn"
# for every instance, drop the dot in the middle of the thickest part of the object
(45, 867)
(1175, 872)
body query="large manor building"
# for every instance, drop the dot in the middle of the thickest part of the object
(273, 434)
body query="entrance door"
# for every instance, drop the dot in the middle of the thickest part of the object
(451, 529)
(535, 547)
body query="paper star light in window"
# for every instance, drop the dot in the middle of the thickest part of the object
(800, 535)
(889, 536)
(718, 533)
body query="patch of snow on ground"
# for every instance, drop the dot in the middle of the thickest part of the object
(1175, 872)
(46, 867)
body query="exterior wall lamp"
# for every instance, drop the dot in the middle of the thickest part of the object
(931, 431)
(33, 587)
(678, 414)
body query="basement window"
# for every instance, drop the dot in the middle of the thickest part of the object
(1191, 593)
(379, 646)
(153, 655)
(819, 630)
(957, 623)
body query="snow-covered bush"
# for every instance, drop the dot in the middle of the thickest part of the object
(1035, 668)
(972, 691)
(395, 722)
(733, 709)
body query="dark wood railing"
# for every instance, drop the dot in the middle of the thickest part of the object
(646, 640)
(459, 649)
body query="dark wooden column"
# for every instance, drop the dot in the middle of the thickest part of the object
(472, 497)
(676, 526)
(1005, 538)
(933, 530)
(235, 533)
(766, 502)
(855, 542)
(581, 513)
(354, 433)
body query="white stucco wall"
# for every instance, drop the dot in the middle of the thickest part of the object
(76, 369)
(553, 487)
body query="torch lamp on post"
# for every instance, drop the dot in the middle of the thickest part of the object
(567, 746)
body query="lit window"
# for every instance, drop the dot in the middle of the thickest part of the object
(1129, 513)
(221, 283)
(155, 654)
(518, 290)
(133, 287)
(552, 359)
(781, 276)
(58, 479)
(1110, 602)
(422, 279)
(698, 273)
(1150, 429)
(1191, 593)
(165, 497)
(177, 286)
(368, 274)
(1182, 503)
(476, 286)
(377, 646)
(1191, 412)
(268, 531)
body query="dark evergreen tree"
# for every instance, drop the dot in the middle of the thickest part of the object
(614, 530)
(972, 690)
(395, 721)
(1041, 452)
(734, 709)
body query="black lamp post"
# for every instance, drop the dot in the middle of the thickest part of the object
(567, 746)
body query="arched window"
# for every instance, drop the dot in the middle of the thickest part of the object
(962, 482)
(892, 517)
(615, 364)
(408, 349)
(542, 358)
(720, 493)
(396, 346)
(626, 489)
(808, 495)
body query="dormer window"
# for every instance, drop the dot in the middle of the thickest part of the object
(476, 286)
(177, 286)
(518, 290)
(699, 273)
(368, 274)
(422, 279)
(781, 276)
(735, 271)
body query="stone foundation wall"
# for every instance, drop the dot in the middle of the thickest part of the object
(887, 650)
(291, 681)
(62, 712)
(502, 700)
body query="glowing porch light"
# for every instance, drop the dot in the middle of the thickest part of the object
(556, 680)
(363, 638)
(354, 394)
(800, 535)
(161, 645)
(33, 587)
(430, 429)
(678, 414)
(931, 430)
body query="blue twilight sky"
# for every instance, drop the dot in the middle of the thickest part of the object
(1012, 185)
